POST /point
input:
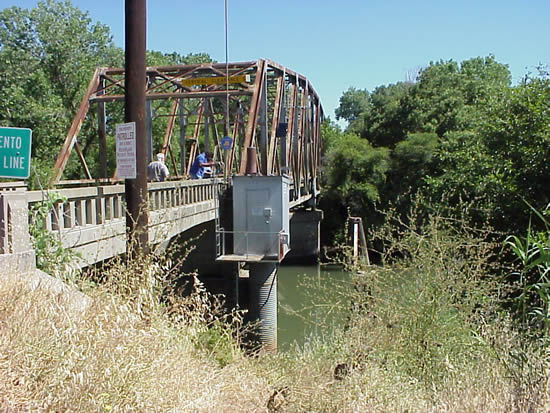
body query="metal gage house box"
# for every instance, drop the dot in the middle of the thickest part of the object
(261, 218)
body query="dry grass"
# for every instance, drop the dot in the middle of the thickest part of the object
(109, 359)
(135, 349)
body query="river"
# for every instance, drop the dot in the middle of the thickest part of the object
(313, 300)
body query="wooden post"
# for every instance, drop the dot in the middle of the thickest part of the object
(134, 106)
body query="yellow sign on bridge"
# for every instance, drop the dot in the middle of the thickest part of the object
(214, 80)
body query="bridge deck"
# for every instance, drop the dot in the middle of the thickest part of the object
(91, 220)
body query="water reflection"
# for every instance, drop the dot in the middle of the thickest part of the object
(313, 300)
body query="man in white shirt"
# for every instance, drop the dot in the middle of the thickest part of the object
(157, 170)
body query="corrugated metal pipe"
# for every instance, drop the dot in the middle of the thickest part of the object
(263, 302)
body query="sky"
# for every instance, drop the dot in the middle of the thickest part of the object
(339, 44)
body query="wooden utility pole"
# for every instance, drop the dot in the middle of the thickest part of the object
(137, 217)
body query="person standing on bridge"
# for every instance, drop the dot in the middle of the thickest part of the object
(157, 170)
(202, 164)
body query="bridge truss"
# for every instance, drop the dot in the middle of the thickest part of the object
(260, 105)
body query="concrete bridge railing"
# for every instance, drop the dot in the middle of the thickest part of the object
(91, 220)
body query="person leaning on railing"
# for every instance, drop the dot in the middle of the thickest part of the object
(157, 170)
(202, 165)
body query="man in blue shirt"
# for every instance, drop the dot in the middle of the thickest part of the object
(201, 163)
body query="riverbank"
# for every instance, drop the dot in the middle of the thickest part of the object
(421, 333)
(118, 357)
(135, 351)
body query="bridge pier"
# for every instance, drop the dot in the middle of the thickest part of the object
(218, 277)
(305, 230)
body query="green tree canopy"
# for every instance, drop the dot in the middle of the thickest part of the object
(502, 162)
(353, 102)
(356, 171)
(384, 122)
(461, 132)
(448, 96)
(47, 57)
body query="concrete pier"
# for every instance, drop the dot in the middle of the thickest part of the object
(304, 236)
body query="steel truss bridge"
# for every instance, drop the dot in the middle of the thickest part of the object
(260, 105)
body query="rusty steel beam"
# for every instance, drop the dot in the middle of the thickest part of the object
(295, 141)
(171, 80)
(102, 135)
(173, 160)
(263, 144)
(252, 114)
(214, 129)
(181, 118)
(194, 143)
(82, 160)
(302, 80)
(231, 153)
(317, 137)
(300, 150)
(317, 140)
(290, 129)
(70, 139)
(168, 135)
(156, 96)
(114, 82)
(169, 127)
(279, 94)
(201, 66)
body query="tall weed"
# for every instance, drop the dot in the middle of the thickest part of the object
(425, 333)
(531, 277)
(139, 347)
(51, 256)
(529, 361)
(424, 304)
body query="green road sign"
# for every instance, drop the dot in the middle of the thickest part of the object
(15, 152)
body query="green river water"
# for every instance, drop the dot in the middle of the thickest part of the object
(313, 300)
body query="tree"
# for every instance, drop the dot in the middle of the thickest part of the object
(412, 161)
(503, 162)
(448, 96)
(460, 132)
(384, 122)
(355, 172)
(47, 56)
(353, 102)
(516, 132)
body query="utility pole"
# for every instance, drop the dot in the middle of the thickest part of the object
(137, 217)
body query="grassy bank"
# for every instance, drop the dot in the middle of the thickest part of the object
(425, 334)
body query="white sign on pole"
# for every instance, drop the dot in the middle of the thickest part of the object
(126, 150)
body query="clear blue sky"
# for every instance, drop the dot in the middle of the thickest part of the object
(338, 44)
